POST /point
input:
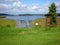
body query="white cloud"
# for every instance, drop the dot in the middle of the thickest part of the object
(15, 9)
(33, 8)
(58, 6)
(4, 8)
(9, 0)
(17, 4)
(18, 7)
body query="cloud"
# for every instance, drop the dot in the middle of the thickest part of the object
(58, 6)
(34, 8)
(4, 7)
(16, 4)
(8, 0)
(19, 7)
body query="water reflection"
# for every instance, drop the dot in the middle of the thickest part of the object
(24, 23)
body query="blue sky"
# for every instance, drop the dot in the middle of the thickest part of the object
(27, 6)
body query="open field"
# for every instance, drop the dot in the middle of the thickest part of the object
(33, 36)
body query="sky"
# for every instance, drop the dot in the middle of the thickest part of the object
(27, 6)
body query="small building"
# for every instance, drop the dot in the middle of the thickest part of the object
(48, 20)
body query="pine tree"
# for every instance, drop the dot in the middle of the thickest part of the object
(53, 14)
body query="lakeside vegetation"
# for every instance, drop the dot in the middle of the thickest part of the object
(42, 22)
(13, 23)
(7, 23)
(2, 17)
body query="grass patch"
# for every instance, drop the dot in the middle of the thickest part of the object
(7, 23)
(26, 36)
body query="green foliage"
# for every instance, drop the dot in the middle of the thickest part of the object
(53, 14)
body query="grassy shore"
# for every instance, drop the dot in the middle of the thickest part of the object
(42, 22)
(7, 23)
(33, 36)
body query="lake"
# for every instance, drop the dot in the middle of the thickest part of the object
(23, 21)
(23, 17)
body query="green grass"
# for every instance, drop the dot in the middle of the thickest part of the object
(33, 36)
(7, 23)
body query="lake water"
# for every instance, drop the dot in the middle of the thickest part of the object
(23, 21)
(23, 17)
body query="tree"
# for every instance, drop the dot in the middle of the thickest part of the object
(53, 14)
